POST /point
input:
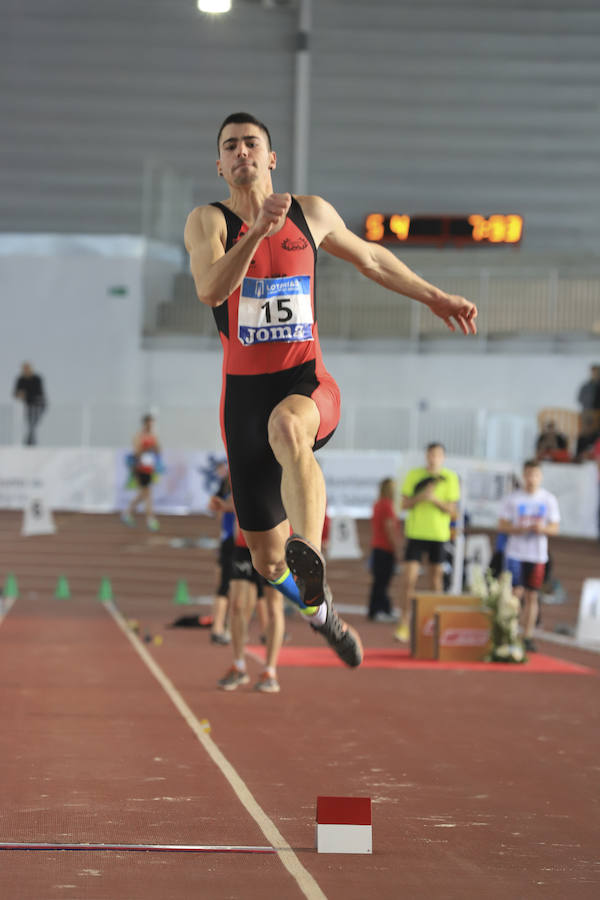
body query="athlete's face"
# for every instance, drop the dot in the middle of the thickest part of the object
(532, 479)
(244, 155)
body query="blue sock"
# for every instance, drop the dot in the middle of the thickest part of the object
(287, 586)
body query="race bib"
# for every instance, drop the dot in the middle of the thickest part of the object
(275, 310)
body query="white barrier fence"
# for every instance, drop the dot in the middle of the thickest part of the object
(464, 432)
(513, 299)
(95, 480)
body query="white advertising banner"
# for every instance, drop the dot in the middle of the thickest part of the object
(186, 485)
(98, 480)
(352, 480)
(588, 619)
(576, 489)
(483, 483)
(68, 478)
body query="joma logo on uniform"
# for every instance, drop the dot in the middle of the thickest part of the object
(263, 334)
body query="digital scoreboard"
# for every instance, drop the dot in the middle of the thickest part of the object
(438, 230)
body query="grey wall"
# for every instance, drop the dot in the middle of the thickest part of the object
(417, 106)
(95, 93)
(467, 106)
(75, 312)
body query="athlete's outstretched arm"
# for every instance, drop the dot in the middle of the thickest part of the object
(380, 265)
(216, 273)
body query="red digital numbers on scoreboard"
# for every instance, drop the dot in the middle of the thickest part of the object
(497, 229)
(443, 229)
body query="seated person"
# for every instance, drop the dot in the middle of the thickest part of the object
(552, 445)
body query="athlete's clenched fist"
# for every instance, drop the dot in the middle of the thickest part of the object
(271, 216)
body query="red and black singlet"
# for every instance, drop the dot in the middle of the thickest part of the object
(269, 334)
(269, 323)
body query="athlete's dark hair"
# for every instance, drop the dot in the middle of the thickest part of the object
(434, 444)
(240, 118)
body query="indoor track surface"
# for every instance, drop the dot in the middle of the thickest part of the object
(484, 780)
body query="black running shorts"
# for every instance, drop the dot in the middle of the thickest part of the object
(254, 472)
(415, 550)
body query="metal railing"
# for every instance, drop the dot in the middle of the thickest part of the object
(513, 302)
(465, 432)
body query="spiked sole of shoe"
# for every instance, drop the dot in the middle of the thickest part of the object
(308, 567)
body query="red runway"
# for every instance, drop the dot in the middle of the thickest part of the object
(483, 785)
(399, 658)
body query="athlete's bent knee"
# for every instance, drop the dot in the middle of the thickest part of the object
(286, 431)
(267, 565)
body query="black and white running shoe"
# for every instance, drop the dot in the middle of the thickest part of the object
(307, 565)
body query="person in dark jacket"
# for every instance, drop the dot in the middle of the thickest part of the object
(29, 388)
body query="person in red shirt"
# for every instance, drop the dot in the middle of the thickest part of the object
(384, 543)
(253, 260)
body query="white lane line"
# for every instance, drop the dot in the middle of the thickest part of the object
(5, 606)
(288, 858)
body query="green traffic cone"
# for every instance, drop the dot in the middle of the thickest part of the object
(11, 588)
(105, 593)
(63, 591)
(182, 597)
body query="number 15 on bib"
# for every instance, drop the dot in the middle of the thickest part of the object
(275, 310)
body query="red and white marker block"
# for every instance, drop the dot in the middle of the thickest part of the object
(344, 825)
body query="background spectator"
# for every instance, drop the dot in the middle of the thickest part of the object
(246, 587)
(552, 444)
(589, 400)
(29, 388)
(384, 541)
(430, 493)
(145, 465)
(528, 516)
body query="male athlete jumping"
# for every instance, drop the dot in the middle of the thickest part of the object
(253, 259)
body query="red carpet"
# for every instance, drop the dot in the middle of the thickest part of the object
(322, 657)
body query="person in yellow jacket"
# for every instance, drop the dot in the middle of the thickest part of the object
(430, 493)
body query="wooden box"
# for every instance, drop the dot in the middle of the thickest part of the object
(424, 606)
(462, 633)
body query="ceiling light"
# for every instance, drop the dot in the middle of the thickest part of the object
(214, 6)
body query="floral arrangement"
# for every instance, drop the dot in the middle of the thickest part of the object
(497, 595)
